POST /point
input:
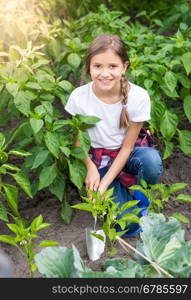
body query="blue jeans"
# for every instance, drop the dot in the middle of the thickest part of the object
(143, 162)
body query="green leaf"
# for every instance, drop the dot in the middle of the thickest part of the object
(148, 83)
(128, 204)
(23, 182)
(131, 218)
(180, 217)
(12, 88)
(112, 234)
(14, 228)
(65, 150)
(108, 193)
(19, 152)
(187, 107)
(47, 176)
(74, 60)
(170, 80)
(58, 186)
(45, 80)
(167, 91)
(185, 141)
(169, 124)
(43, 226)
(78, 152)
(177, 187)
(8, 239)
(61, 123)
(47, 243)
(48, 107)
(169, 146)
(66, 85)
(40, 110)
(10, 167)
(98, 236)
(66, 212)
(20, 75)
(77, 172)
(22, 103)
(36, 125)
(84, 140)
(91, 120)
(3, 156)
(52, 143)
(157, 111)
(55, 262)
(1, 87)
(11, 194)
(160, 239)
(36, 223)
(33, 85)
(40, 158)
(3, 212)
(2, 140)
(184, 198)
(186, 59)
(183, 80)
(2, 170)
(83, 206)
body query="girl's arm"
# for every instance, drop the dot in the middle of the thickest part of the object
(92, 180)
(122, 157)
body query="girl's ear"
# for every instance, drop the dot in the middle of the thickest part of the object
(126, 64)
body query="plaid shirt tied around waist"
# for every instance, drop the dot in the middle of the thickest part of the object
(144, 140)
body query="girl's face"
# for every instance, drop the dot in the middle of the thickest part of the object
(106, 70)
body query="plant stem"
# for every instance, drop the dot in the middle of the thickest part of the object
(154, 264)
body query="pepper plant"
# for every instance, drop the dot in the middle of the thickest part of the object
(160, 194)
(9, 191)
(24, 236)
(108, 211)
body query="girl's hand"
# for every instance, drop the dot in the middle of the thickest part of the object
(92, 180)
(102, 188)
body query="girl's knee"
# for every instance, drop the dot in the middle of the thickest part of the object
(152, 163)
(152, 157)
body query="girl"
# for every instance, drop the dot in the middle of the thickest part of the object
(122, 107)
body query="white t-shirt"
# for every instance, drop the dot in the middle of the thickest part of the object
(106, 133)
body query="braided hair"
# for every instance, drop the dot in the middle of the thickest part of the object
(100, 44)
(124, 117)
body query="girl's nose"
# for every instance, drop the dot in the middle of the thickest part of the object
(105, 72)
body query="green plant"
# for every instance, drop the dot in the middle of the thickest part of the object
(24, 236)
(159, 195)
(110, 214)
(9, 191)
(161, 252)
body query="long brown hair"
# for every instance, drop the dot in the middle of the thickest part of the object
(100, 44)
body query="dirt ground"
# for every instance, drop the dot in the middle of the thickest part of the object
(176, 169)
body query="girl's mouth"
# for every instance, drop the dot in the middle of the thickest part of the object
(105, 81)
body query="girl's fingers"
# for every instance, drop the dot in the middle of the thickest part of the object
(96, 186)
(93, 186)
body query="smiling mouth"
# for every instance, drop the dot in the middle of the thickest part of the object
(105, 81)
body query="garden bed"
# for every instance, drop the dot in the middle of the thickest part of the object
(176, 169)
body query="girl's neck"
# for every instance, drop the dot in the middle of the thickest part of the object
(111, 96)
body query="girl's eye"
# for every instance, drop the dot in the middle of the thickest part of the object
(97, 66)
(113, 66)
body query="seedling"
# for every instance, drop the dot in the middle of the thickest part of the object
(107, 211)
(159, 195)
(24, 235)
